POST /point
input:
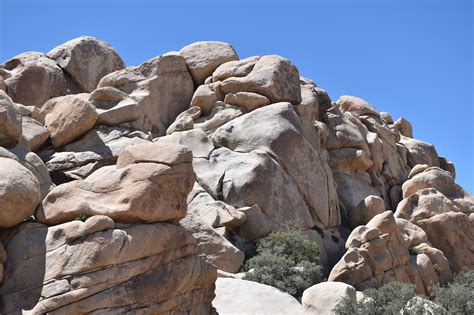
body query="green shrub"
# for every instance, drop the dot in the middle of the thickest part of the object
(389, 299)
(287, 261)
(82, 217)
(458, 296)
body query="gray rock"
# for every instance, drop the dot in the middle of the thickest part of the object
(304, 165)
(10, 122)
(86, 59)
(32, 78)
(34, 132)
(272, 76)
(203, 58)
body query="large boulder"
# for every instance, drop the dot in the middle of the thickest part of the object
(305, 166)
(420, 152)
(99, 266)
(22, 154)
(355, 105)
(86, 59)
(204, 98)
(20, 193)
(436, 178)
(236, 68)
(162, 88)
(211, 246)
(203, 58)
(68, 117)
(136, 192)
(114, 106)
(235, 296)
(245, 179)
(404, 127)
(272, 76)
(32, 78)
(10, 122)
(322, 298)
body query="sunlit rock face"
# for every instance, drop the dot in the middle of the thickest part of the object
(124, 189)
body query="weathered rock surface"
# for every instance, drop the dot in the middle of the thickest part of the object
(21, 153)
(272, 76)
(150, 191)
(366, 210)
(234, 296)
(68, 117)
(323, 297)
(86, 59)
(378, 253)
(301, 163)
(34, 132)
(32, 78)
(211, 246)
(420, 152)
(113, 106)
(97, 148)
(96, 266)
(247, 100)
(10, 122)
(162, 87)
(203, 58)
(443, 210)
(20, 193)
(185, 162)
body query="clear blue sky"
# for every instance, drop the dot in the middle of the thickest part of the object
(413, 59)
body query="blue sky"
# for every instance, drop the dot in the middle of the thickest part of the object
(413, 59)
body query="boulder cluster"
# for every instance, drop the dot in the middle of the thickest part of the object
(126, 189)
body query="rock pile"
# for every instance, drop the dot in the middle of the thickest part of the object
(123, 189)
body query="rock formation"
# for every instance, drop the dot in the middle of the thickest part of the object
(123, 189)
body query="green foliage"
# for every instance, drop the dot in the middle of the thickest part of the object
(102, 127)
(458, 296)
(287, 261)
(437, 268)
(82, 217)
(415, 251)
(389, 299)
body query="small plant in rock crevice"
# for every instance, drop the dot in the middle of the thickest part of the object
(81, 217)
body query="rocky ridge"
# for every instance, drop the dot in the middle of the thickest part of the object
(177, 166)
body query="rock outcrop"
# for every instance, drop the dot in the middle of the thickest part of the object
(124, 189)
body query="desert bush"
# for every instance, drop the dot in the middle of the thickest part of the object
(455, 298)
(458, 296)
(389, 299)
(287, 261)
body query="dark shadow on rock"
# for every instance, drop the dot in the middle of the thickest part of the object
(24, 269)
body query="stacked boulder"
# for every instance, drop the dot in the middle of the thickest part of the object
(107, 238)
(129, 254)
(179, 165)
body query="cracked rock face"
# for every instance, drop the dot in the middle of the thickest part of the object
(94, 266)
